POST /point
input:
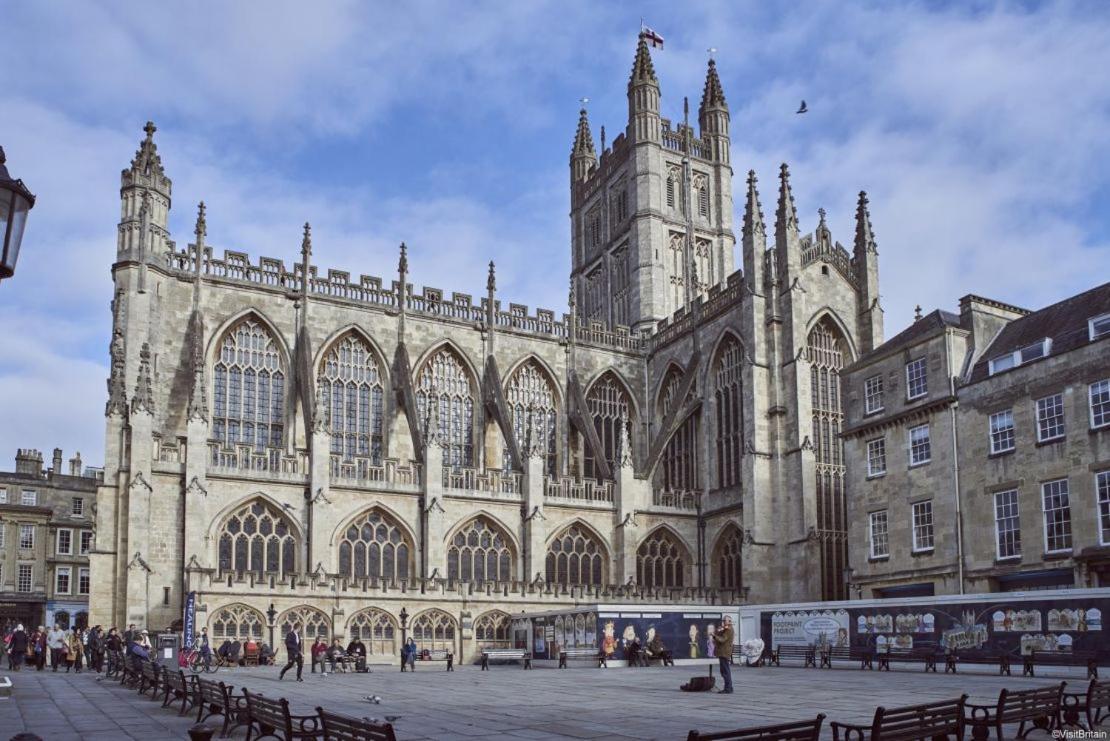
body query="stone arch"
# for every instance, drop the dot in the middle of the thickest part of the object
(377, 545)
(377, 629)
(493, 629)
(213, 345)
(727, 571)
(663, 559)
(352, 385)
(620, 379)
(724, 384)
(257, 536)
(446, 377)
(309, 622)
(235, 622)
(448, 344)
(552, 376)
(434, 629)
(611, 405)
(535, 409)
(827, 313)
(481, 548)
(577, 556)
(679, 466)
(670, 373)
(363, 335)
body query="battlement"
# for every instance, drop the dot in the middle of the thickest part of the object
(815, 249)
(704, 308)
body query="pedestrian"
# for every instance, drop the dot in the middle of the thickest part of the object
(205, 648)
(76, 651)
(113, 644)
(56, 642)
(129, 637)
(17, 649)
(722, 641)
(6, 644)
(95, 644)
(293, 651)
(38, 649)
(408, 655)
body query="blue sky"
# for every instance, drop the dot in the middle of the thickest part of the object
(978, 129)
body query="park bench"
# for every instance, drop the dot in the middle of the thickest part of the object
(1088, 659)
(1039, 707)
(268, 718)
(931, 720)
(665, 658)
(802, 730)
(925, 655)
(506, 654)
(435, 654)
(792, 651)
(865, 656)
(115, 664)
(1001, 659)
(337, 727)
(591, 654)
(345, 663)
(1093, 703)
(179, 686)
(217, 698)
(150, 679)
(131, 671)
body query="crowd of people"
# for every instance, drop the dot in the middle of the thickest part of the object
(71, 648)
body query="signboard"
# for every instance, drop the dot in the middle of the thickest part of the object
(811, 627)
(190, 618)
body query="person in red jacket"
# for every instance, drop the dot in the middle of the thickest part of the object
(319, 651)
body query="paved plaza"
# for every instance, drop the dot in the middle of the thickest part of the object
(506, 702)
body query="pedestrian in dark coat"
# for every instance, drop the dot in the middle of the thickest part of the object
(294, 650)
(18, 647)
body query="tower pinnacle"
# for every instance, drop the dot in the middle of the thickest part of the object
(583, 139)
(642, 68)
(753, 211)
(865, 237)
(713, 96)
(786, 217)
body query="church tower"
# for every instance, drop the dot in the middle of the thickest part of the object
(651, 219)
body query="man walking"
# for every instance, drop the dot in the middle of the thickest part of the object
(56, 642)
(293, 649)
(722, 642)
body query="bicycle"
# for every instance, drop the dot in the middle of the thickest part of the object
(193, 659)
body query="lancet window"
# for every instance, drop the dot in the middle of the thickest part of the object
(480, 551)
(445, 383)
(433, 629)
(249, 388)
(532, 407)
(661, 561)
(680, 457)
(350, 384)
(377, 629)
(259, 538)
(727, 559)
(730, 412)
(611, 409)
(237, 623)
(576, 557)
(308, 622)
(493, 630)
(375, 546)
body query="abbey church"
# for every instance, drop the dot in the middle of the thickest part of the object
(303, 448)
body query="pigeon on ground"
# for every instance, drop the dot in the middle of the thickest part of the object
(374, 699)
(391, 718)
(802, 108)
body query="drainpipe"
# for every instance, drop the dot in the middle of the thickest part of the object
(955, 465)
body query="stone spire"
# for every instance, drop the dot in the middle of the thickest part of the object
(583, 158)
(786, 216)
(644, 123)
(146, 160)
(713, 95)
(117, 391)
(306, 254)
(865, 237)
(491, 280)
(143, 400)
(642, 68)
(753, 211)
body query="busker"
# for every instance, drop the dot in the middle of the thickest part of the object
(722, 642)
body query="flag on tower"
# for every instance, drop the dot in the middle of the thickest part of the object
(652, 38)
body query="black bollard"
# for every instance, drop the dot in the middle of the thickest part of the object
(201, 732)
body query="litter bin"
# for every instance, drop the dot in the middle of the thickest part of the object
(168, 647)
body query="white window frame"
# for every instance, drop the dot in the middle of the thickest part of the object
(997, 433)
(873, 392)
(1011, 516)
(77, 506)
(1102, 497)
(1103, 319)
(1102, 418)
(876, 452)
(1065, 508)
(29, 494)
(69, 542)
(28, 569)
(23, 530)
(874, 519)
(923, 363)
(59, 572)
(1021, 356)
(924, 529)
(1041, 419)
(3, 495)
(84, 580)
(86, 543)
(928, 445)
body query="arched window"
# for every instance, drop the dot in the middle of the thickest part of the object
(576, 557)
(680, 457)
(257, 538)
(661, 560)
(308, 622)
(61, 619)
(236, 623)
(611, 408)
(376, 546)
(377, 629)
(434, 629)
(445, 382)
(670, 190)
(81, 620)
(249, 388)
(727, 559)
(532, 404)
(350, 383)
(493, 630)
(481, 551)
(727, 382)
(703, 200)
(826, 351)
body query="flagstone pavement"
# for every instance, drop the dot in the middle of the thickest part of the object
(507, 702)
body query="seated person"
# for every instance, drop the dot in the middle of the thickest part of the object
(224, 651)
(250, 647)
(265, 655)
(632, 652)
(655, 650)
(235, 652)
(336, 654)
(357, 649)
(317, 652)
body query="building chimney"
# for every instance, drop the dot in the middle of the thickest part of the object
(75, 465)
(28, 461)
(56, 463)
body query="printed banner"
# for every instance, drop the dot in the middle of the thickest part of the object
(190, 618)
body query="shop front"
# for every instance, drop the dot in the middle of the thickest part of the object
(67, 614)
(29, 612)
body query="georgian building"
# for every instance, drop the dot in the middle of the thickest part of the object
(311, 449)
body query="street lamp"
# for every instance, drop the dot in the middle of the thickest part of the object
(15, 202)
(404, 625)
(271, 614)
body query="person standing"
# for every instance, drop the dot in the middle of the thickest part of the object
(56, 642)
(38, 648)
(722, 640)
(17, 649)
(76, 651)
(408, 655)
(293, 650)
(205, 649)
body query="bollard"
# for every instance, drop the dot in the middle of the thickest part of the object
(201, 732)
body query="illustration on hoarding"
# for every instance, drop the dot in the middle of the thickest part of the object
(1078, 620)
(609, 642)
(898, 642)
(808, 627)
(900, 623)
(1017, 620)
(1045, 642)
(693, 641)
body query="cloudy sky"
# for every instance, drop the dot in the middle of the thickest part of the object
(980, 131)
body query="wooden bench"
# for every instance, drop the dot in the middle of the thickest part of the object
(1093, 704)
(792, 651)
(506, 654)
(592, 654)
(149, 673)
(931, 720)
(1039, 707)
(131, 671)
(802, 730)
(115, 664)
(1088, 659)
(927, 656)
(999, 658)
(177, 685)
(436, 654)
(666, 658)
(865, 656)
(217, 698)
(338, 727)
(268, 718)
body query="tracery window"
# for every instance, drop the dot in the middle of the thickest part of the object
(677, 269)
(729, 575)
(703, 200)
(308, 622)
(350, 383)
(730, 412)
(375, 546)
(680, 457)
(661, 561)
(621, 272)
(703, 251)
(493, 630)
(610, 407)
(236, 623)
(434, 629)
(377, 629)
(532, 404)
(670, 189)
(481, 551)
(249, 388)
(576, 557)
(445, 382)
(257, 538)
(596, 292)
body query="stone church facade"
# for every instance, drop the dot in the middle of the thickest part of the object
(307, 449)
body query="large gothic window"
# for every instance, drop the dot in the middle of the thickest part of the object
(249, 388)
(377, 629)
(307, 621)
(374, 545)
(481, 551)
(826, 352)
(350, 383)
(237, 623)
(727, 381)
(680, 457)
(727, 559)
(434, 629)
(532, 405)
(493, 630)
(259, 538)
(676, 264)
(620, 272)
(611, 409)
(661, 560)
(444, 381)
(576, 557)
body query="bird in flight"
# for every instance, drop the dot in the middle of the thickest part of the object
(802, 108)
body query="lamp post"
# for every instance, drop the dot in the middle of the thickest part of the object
(15, 202)
(404, 625)
(271, 614)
